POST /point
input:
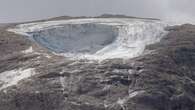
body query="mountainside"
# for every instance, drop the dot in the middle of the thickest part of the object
(97, 64)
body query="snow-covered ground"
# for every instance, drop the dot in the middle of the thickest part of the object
(95, 38)
(13, 77)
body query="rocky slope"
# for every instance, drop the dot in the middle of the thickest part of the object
(33, 78)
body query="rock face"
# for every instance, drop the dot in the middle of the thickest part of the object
(33, 78)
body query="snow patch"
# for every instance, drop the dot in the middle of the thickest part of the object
(135, 93)
(27, 51)
(121, 101)
(13, 77)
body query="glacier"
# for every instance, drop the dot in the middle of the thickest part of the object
(95, 38)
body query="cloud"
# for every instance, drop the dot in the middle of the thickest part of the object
(180, 11)
(20, 10)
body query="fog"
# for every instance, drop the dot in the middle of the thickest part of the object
(27, 10)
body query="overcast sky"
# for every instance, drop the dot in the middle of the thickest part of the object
(25, 10)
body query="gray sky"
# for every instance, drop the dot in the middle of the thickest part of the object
(24, 10)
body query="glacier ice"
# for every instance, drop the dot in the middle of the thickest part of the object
(74, 38)
(95, 38)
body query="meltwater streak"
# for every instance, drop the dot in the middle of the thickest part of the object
(133, 36)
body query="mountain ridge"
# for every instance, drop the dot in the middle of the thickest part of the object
(161, 80)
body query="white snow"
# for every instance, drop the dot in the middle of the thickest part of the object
(135, 93)
(29, 50)
(95, 38)
(123, 101)
(13, 77)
